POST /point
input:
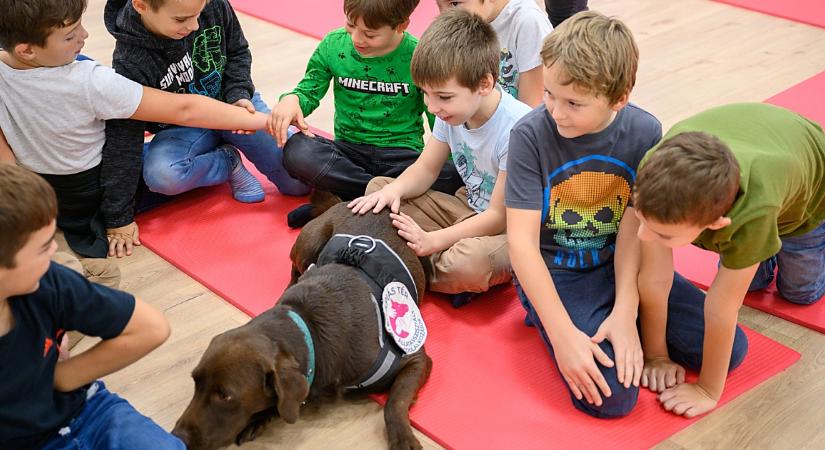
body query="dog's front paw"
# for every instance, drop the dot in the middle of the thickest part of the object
(403, 439)
(251, 431)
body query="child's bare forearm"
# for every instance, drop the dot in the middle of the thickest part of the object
(627, 261)
(722, 304)
(146, 330)
(654, 284)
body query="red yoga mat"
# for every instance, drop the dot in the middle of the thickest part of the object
(806, 98)
(316, 18)
(811, 12)
(493, 384)
(699, 266)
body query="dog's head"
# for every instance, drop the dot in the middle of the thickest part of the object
(242, 379)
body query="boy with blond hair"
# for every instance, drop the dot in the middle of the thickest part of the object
(46, 400)
(378, 110)
(744, 181)
(455, 65)
(520, 26)
(41, 39)
(570, 226)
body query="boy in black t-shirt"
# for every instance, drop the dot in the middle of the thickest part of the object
(50, 403)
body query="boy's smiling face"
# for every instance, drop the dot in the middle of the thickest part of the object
(453, 103)
(369, 42)
(173, 20)
(576, 111)
(31, 263)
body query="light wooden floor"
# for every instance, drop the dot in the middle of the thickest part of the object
(694, 54)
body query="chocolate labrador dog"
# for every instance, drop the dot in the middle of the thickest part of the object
(325, 336)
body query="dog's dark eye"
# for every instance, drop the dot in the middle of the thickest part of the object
(223, 396)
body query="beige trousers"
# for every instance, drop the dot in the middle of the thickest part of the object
(471, 264)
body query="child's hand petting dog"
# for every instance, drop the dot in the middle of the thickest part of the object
(421, 242)
(287, 112)
(386, 196)
(122, 239)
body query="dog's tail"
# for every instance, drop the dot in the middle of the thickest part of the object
(322, 201)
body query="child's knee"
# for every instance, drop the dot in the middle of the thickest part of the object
(806, 295)
(462, 268)
(620, 403)
(377, 184)
(740, 349)
(163, 180)
(299, 158)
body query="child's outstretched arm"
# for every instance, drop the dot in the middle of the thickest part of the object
(145, 331)
(575, 353)
(6, 155)
(722, 305)
(620, 326)
(655, 282)
(302, 101)
(413, 181)
(197, 111)
(489, 222)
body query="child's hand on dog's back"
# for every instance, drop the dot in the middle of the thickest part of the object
(287, 112)
(386, 196)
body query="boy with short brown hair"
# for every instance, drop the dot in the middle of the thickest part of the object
(65, 144)
(744, 181)
(378, 109)
(456, 64)
(47, 401)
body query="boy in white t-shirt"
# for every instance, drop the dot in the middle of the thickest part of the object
(521, 27)
(53, 111)
(456, 64)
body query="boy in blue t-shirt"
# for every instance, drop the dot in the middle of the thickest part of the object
(570, 226)
(52, 403)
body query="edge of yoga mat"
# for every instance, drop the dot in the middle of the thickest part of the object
(809, 12)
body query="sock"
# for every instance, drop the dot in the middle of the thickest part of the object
(245, 187)
(299, 216)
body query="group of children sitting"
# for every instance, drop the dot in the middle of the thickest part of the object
(581, 215)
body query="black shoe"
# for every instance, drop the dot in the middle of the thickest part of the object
(299, 216)
(461, 299)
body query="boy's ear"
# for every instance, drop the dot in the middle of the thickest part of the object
(24, 52)
(621, 102)
(487, 84)
(720, 223)
(140, 6)
(400, 29)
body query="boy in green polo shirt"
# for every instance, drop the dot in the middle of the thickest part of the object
(378, 110)
(744, 181)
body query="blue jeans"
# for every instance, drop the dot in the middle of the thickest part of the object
(180, 159)
(801, 263)
(344, 168)
(588, 298)
(108, 422)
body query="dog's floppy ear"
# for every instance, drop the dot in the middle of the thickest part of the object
(291, 386)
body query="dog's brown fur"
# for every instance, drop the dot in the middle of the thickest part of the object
(249, 374)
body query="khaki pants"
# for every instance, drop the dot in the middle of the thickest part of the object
(97, 270)
(471, 264)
